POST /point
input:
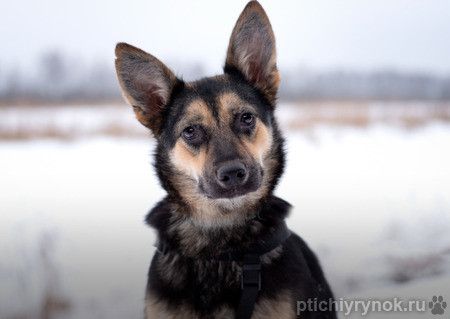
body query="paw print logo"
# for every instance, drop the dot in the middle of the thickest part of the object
(437, 305)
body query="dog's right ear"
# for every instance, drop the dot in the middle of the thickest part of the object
(146, 84)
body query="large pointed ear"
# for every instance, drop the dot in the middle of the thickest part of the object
(252, 50)
(146, 84)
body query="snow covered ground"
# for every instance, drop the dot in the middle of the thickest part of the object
(372, 201)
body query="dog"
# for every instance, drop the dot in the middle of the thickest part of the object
(224, 250)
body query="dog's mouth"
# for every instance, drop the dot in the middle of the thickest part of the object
(217, 193)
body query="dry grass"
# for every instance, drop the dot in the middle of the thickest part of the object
(27, 122)
(42, 262)
(407, 268)
(68, 122)
(407, 115)
(54, 132)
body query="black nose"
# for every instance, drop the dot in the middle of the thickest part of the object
(232, 174)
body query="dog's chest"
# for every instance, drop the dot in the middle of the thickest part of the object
(205, 290)
(191, 288)
(203, 287)
(204, 279)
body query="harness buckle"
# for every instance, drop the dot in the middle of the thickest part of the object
(251, 272)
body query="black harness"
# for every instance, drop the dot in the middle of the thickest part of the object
(251, 266)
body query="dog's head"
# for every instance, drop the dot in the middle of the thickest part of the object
(219, 148)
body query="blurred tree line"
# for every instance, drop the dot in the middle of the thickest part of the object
(379, 85)
(59, 78)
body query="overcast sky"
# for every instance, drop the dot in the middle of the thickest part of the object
(321, 34)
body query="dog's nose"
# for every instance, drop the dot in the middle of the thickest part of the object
(232, 174)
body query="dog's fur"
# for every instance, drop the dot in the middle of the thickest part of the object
(201, 128)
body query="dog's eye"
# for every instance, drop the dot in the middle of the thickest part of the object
(193, 134)
(247, 121)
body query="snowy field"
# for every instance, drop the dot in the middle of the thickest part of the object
(373, 200)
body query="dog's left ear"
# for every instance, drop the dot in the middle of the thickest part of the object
(252, 50)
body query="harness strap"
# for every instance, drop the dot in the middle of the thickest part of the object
(250, 286)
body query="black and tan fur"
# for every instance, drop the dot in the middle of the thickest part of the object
(219, 157)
